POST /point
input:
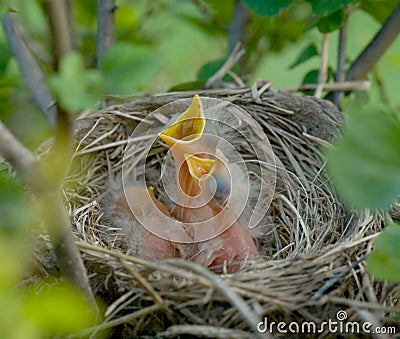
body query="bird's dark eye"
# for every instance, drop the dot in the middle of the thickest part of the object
(223, 187)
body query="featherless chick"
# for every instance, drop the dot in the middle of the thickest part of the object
(202, 225)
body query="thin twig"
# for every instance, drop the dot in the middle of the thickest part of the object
(337, 86)
(233, 58)
(60, 28)
(71, 23)
(68, 257)
(117, 303)
(45, 181)
(320, 141)
(204, 277)
(105, 28)
(119, 321)
(341, 62)
(237, 26)
(13, 151)
(248, 315)
(204, 331)
(237, 78)
(30, 70)
(335, 279)
(162, 266)
(323, 69)
(144, 283)
(299, 219)
(256, 93)
(376, 48)
(54, 214)
(359, 304)
(114, 144)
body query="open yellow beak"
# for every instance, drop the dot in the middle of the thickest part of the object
(188, 128)
(199, 167)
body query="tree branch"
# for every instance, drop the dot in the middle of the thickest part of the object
(336, 86)
(13, 151)
(71, 24)
(233, 58)
(323, 69)
(60, 28)
(30, 70)
(105, 28)
(49, 196)
(56, 218)
(341, 62)
(237, 26)
(68, 256)
(376, 48)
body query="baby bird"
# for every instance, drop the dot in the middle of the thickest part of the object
(144, 221)
(205, 198)
(202, 226)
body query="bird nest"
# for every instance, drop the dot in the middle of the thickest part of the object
(312, 249)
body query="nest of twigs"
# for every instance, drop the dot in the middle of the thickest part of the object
(313, 250)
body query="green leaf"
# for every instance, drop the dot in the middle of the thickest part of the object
(75, 87)
(59, 309)
(221, 10)
(311, 77)
(327, 7)
(5, 56)
(6, 8)
(379, 9)
(15, 230)
(306, 54)
(331, 22)
(384, 262)
(267, 7)
(188, 86)
(12, 202)
(210, 68)
(128, 68)
(205, 26)
(365, 163)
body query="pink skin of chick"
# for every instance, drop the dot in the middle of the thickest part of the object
(233, 245)
(223, 241)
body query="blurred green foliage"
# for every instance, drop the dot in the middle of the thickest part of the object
(60, 309)
(268, 7)
(365, 166)
(366, 161)
(331, 22)
(53, 308)
(179, 44)
(128, 68)
(163, 44)
(74, 87)
(324, 8)
(384, 261)
(309, 52)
